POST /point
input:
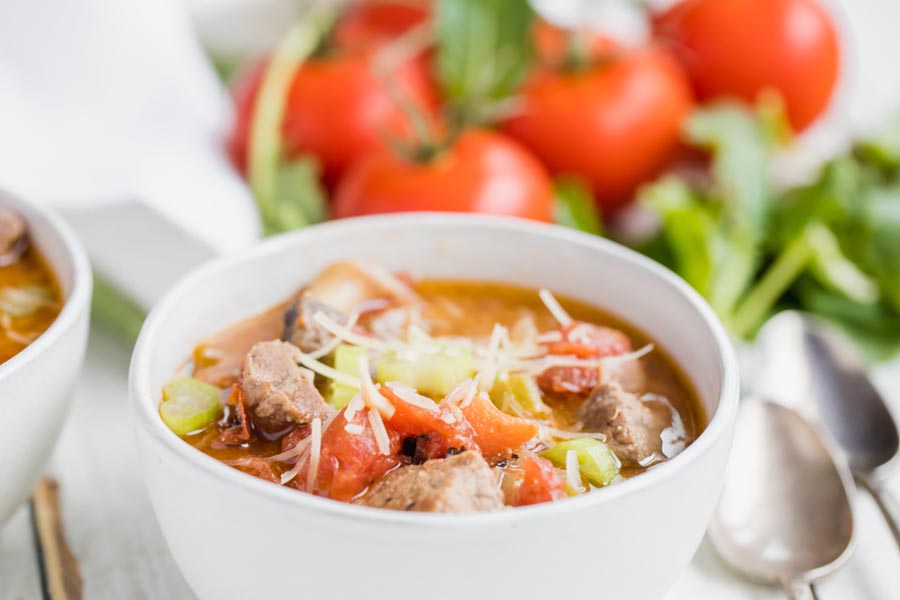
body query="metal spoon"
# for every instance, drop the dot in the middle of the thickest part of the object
(784, 515)
(811, 368)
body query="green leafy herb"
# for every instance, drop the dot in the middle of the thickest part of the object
(483, 52)
(575, 206)
(831, 247)
(286, 192)
(715, 228)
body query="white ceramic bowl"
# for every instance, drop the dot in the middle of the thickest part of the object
(36, 384)
(238, 537)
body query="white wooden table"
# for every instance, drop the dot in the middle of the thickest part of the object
(113, 533)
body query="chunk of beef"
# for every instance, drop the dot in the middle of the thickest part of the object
(632, 428)
(302, 330)
(277, 389)
(460, 483)
(12, 235)
(344, 286)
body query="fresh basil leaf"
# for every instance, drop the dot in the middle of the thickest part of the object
(484, 49)
(575, 206)
(689, 229)
(835, 271)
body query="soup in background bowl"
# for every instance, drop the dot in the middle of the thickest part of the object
(630, 539)
(45, 290)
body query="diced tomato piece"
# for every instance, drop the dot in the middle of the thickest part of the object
(238, 431)
(349, 462)
(258, 467)
(496, 431)
(586, 340)
(568, 381)
(444, 430)
(296, 435)
(541, 483)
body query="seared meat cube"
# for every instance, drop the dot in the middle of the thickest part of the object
(344, 286)
(276, 389)
(460, 483)
(12, 234)
(302, 330)
(632, 428)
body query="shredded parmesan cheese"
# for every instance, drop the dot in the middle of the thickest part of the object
(555, 308)
(355, 405)
(336, 340)
(370, 394)
(388, 281)
(346, 334)
(315, 450)
(573, 475)
(324, 370)
(381, 435)
(290, 453)
(410, 396)
(354, 428)
(549, 336)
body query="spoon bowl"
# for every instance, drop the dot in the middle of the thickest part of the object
(784, 515)
(810, 367)
(813, 369)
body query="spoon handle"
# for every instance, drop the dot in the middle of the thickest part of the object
(799, 590)
(886, 502)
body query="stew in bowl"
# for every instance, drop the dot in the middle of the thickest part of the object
(373, 387)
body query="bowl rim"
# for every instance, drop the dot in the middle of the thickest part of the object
(75, 261)
(144, 399)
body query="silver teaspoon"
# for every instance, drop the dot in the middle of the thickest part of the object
(784, 515)
(812, 368)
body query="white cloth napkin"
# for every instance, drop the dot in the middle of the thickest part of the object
(113, 102)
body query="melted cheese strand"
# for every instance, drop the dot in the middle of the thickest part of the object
(336, 340)
(324, 370)
(411, 396)
(336, 329)
(555, 308)
(573, 474)
(369, 391)
(381, 435)
(315, 450)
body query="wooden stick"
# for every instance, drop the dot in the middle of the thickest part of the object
(60, 575)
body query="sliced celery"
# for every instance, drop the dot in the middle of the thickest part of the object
(431, 369)
(189, 405)
(346, 360)
(597, 463)
(523, 389)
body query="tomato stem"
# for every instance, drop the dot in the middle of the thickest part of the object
(266, 144)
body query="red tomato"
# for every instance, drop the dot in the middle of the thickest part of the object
(742, 47)
(586, 340)
(483, 171)
(337, 109)
(410, 420)
(375, 23)
(615, 124)
(350, 462)
(541, 483)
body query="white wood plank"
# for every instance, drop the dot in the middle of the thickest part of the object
(109, 520)
(19, 577)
